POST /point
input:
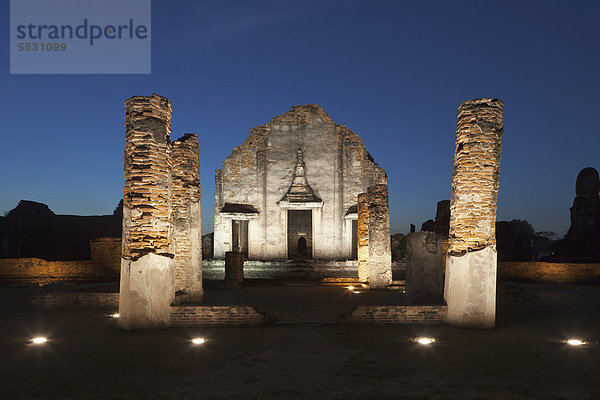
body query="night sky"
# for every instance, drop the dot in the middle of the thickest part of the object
(392, 71)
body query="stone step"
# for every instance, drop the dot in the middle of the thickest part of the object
(340, 282)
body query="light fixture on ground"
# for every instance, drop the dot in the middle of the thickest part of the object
(424, 340)
(39, 340)
(115, 315)
(350, 288)
(575, 342)
(198, 340)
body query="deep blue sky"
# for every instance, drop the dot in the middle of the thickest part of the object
(393, 71)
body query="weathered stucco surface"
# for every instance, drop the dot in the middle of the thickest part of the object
(146, 293)
(260, 171)
(363, 238)
(470, 289)
(424, 253)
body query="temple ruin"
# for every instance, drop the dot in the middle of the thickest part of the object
(290, 191)
(471, 262)
(162, 242)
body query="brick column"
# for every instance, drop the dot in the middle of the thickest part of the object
(187, 234)
(147, 278)
(363, 238)
(425, 280)
(380, 248)
(470, 287)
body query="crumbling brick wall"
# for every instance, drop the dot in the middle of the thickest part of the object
(476, 175)
(185, 197)
(147, 214)
(363, 238)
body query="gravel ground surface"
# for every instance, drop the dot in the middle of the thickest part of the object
(301, 358)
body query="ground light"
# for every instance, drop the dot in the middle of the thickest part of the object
(198, 340)
(115, 315)
(424, 340)
(39, 340)
(575, 342)
(350, 288)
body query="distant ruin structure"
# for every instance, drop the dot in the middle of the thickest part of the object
(582, 241)
(290, 191)
(471, 263)
(161, 187)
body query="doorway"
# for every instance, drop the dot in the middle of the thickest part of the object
(299, 232)
(239, 236)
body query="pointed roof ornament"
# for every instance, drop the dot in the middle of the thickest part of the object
(300, 191)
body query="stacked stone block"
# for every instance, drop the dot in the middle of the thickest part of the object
(425, 274)
(363, 238)
(380, 248)
(470, 287)
(185, 198)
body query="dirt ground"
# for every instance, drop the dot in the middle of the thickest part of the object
(300, 357)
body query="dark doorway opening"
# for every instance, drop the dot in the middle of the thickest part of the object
(299, 234)
(354, 255)
(302, 247)
(239, 236)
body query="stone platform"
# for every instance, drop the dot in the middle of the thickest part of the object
(264, 301)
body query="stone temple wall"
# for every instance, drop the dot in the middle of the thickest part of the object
(259, 172)
(471, 263)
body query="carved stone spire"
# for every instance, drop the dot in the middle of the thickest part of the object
(300, 191)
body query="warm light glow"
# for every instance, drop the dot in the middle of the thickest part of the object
(425, 340)
(115, 315)
(575, 342)
(198, 340)
(39, 340)
(356, 292)
(351, 288)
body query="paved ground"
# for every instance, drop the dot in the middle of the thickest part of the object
(88, 357)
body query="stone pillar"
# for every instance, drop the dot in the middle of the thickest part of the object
(234, 267)
(380, 247)
(363, 238)
(471, 261)
(147, 279)
(425, 276)
(187, 234)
